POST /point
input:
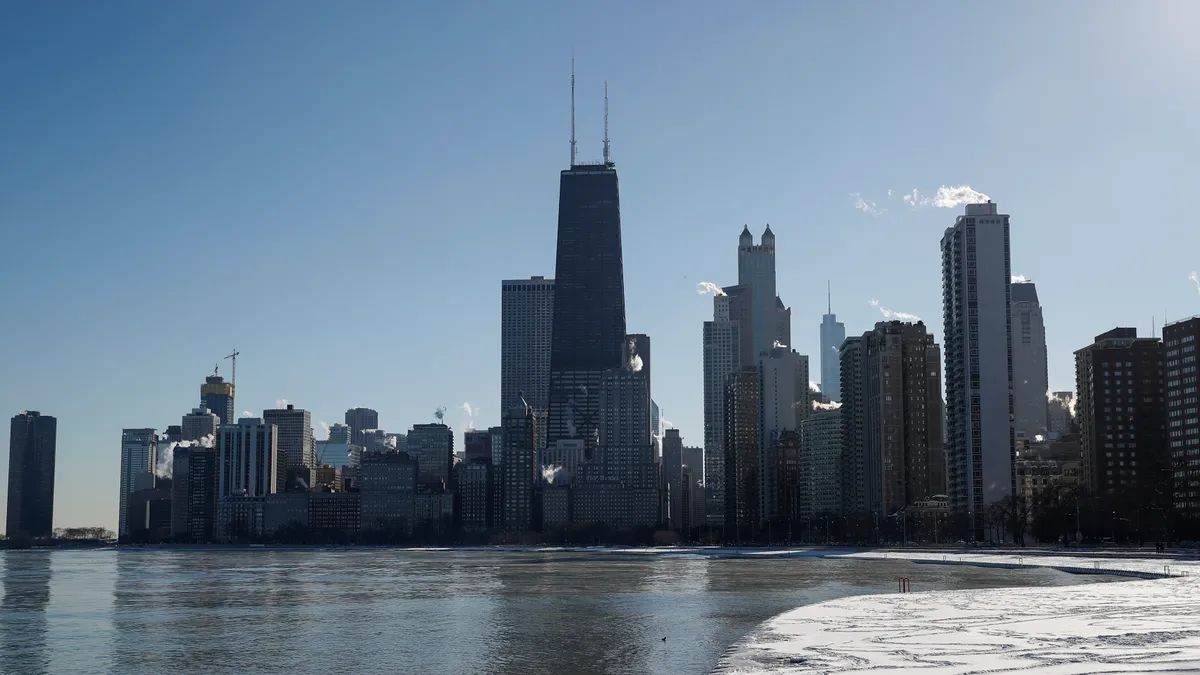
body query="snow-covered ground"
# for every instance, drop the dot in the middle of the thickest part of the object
(1144, 626)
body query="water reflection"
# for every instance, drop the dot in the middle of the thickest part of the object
(23, 626)
(308, 611)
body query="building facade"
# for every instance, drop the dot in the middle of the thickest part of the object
(778, 379)
(198, 424)
(432, 445)
(526, 326)
(722, 356)
(138, 450)
(1183, 421)
(854, 488)
(980, 441)
(756, 272)
(821, 465)
(672, 477)
(1031, 380)
(359, 421)
(249, 464)
(388, 487)
(475, 495)
(294, 427)
(742, 438)
(1120, 408)
(477, 445)
(217, 395)
(32, 443)
(520, 468)
(193, 494)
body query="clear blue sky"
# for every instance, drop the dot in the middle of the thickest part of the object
(337, 190)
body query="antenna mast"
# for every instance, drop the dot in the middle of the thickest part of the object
(829, 296)
(572, 111)
(607, 155)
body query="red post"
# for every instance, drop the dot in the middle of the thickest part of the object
(904, 585)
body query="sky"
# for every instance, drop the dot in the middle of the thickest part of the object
(336, 190)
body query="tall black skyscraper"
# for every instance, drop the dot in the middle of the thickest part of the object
(588, 334)
(31, 474)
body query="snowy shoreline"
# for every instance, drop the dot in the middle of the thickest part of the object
(1144, 626)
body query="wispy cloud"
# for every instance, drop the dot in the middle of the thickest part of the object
(890, 315)
(709, 288)
(1196, 280)
(866, 205)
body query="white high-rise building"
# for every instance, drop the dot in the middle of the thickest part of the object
(821, 471)
(139, 448)
(1030, 379)
(980, 442)
(833, 334)
(722, 346)
(248, 459)
(526, 323)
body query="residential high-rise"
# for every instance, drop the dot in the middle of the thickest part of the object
(360, 420)
(756, 271)
(742, 438)
(138, 450)
(1183, 421)
(855, 502)
(342, 433)
(693, 457)
(32, 443)
(1031, 380)
(475, 494)
(896, 404)
(588, 330)
(1119, 380)
(295, 435)
(526, 327)
(193, 493)
(198, 424)
(821, 464)
(722, 356)
(432, 445)
(625, 446)
(249, 462)
(787, 473)
(388, 485)
(520, 468)
(833, 334)
(980, 441)
(217, 395)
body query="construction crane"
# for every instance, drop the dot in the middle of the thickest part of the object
(234, 356)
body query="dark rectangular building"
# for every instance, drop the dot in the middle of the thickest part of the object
(742, 439)
(1120, 410)
(1183, 420)
(31, 447)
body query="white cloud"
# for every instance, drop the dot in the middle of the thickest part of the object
(866, 205)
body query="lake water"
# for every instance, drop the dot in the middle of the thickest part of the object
(397, 611)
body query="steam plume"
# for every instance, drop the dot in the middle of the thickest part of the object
(667, 424)
(1018, 279)
(281, 403)
(779, 345)
(1195, 280)
(817, 405)
(471, 414)
(325, 429)
(635, 361)
(947, 197)
(555, 474)
(709, 288)
(890, 315)
(813, 386)
(247, 413)
(440, 413)
(866, 205)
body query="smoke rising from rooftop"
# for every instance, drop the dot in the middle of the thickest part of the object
(866, 205)
(709, 288)
(892, 315)
(1195, 280)
(817, 405)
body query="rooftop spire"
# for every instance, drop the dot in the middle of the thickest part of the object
(607, 155)
(828, 297)
(572, 110)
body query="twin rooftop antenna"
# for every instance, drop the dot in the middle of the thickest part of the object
(607, 148)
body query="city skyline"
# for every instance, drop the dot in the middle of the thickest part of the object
(160, 207)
